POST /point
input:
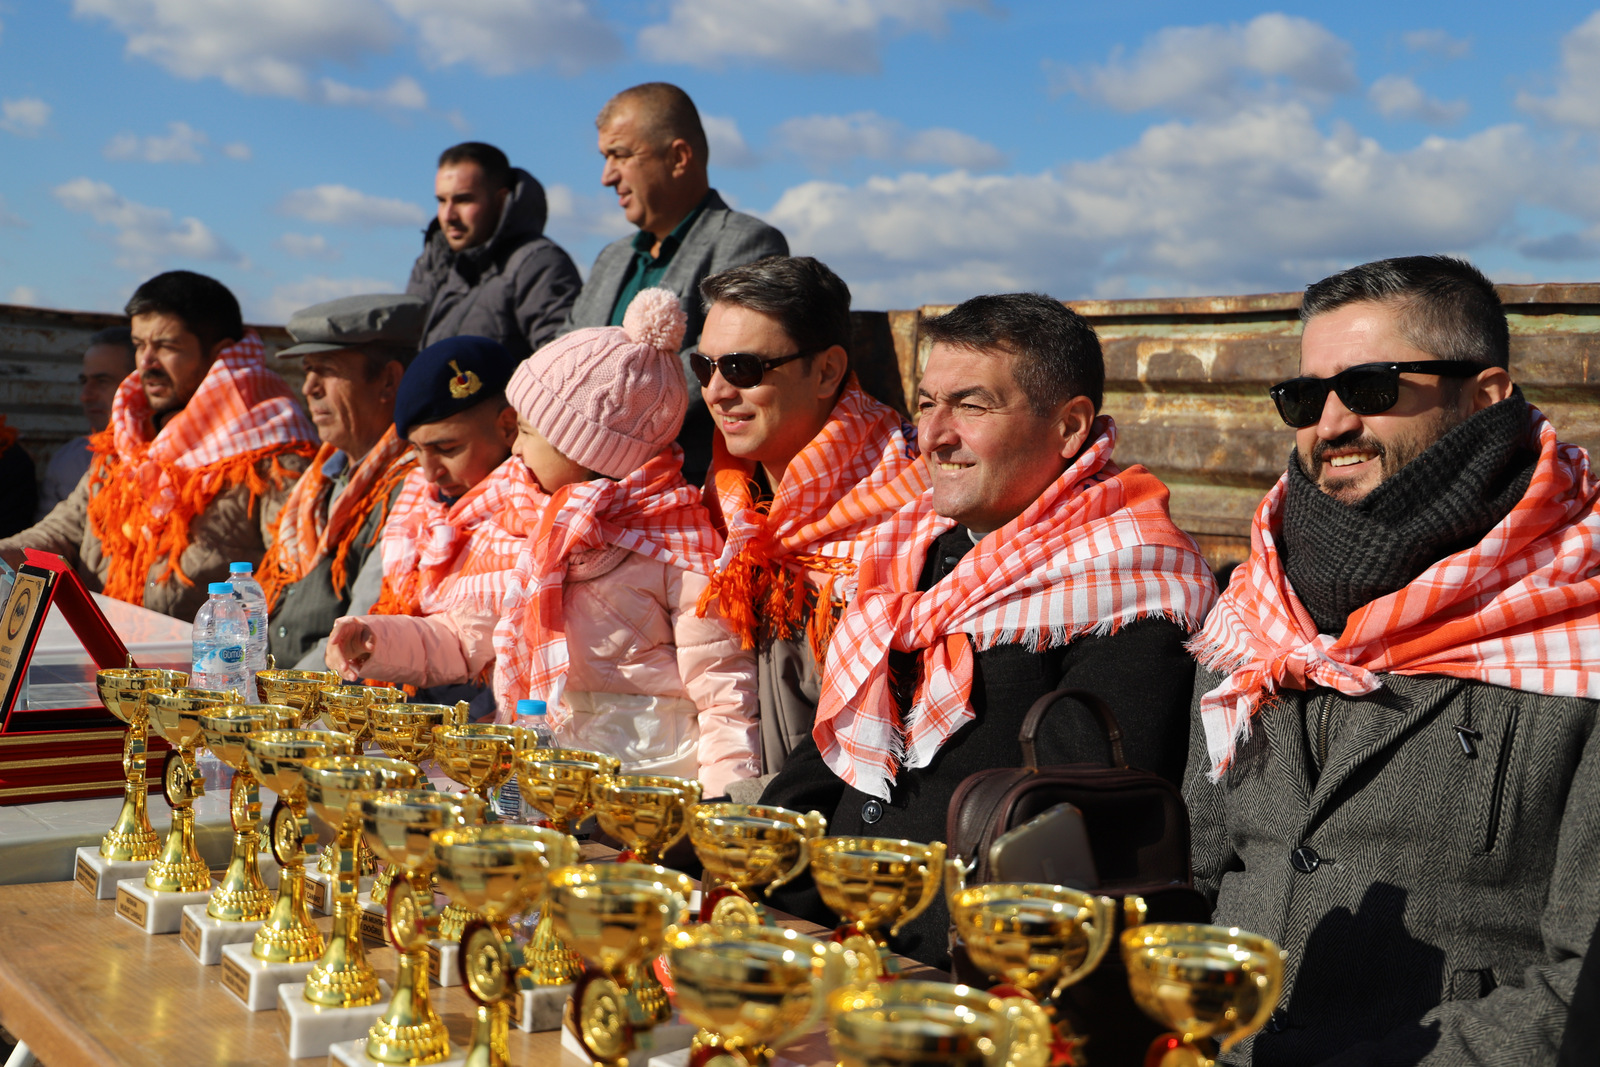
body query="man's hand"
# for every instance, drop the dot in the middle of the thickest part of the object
(351, 643)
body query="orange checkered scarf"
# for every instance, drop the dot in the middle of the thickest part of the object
(851, 477)
(1094, 552)
(438, 557)
(652, 511)
(146, 488)
(309, 529)
(1518, 609)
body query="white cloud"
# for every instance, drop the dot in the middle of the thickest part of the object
(1398, 97)
(26, 116)
(308, 246)
(1577, 97)
(1215, 69)
(727, 145)
(1437, 43)
(827, 140)
(287, 299)
(340, 205)
(237, 150)
(181, 144)
(841, 35)
(9, 219)
(145, 236)
(404, 92)
(505, 36)
(25, 295)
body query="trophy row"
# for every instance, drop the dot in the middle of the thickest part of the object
(606, 933)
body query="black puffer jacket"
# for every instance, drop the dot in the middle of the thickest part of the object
(516, 287)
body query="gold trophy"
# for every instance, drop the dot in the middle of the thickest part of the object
(617, 916)
(176, 716)
(870, 882)
(300, 690)
(275, 758)
(405, 731)
(398, 823)
(558, 783)
(495, 872)
(242, 896)
(935, 1024)
(753, 989)
(334, 786)
(1214, 985)
(344, 709)
(743, 847)
(648, 813)
(123, 691)
(480, 756)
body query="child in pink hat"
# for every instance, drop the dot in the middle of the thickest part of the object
(598, 617)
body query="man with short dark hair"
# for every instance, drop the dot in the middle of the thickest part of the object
(486, 267)
(1394, 771)
(324, 564)
(1032, 563)
(203, 445)
(655, 155)
(106, 362)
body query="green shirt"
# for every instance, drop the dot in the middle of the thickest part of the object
(646, 271)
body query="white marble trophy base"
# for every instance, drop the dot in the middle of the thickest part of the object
(668, 1037)
(311, 1028)
(354, 1054)
(256, 981)
(319, 891)
(539, 1007)
(157, 913)
(205, 936)
(374, 923)
(444, 962)
(99, 876)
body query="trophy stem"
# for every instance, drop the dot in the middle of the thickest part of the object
(342, 978)
(242, 896)
(454, 921)
(179, 868)
(132, 838)
(646, 998)
(410, 1032)
(288, 935)
(550, 962)
(489, 1046)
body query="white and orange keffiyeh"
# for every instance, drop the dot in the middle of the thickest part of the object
(309, 528)
(1518, 609)
(1096, 550)
(652, 511)
(146, 488)
(438, 557)
(848, 479)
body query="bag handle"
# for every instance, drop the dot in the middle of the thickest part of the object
(1092, 701)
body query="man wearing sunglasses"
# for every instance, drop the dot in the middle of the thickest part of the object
(1394, 770)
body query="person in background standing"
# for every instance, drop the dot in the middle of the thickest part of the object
(107, 360)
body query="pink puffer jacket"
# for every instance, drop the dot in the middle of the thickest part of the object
(649, 682)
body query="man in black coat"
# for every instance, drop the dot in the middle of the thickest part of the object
(1032, 564)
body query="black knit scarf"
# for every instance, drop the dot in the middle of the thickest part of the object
(1340, 557)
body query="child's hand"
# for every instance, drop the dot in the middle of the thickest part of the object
(351, 643)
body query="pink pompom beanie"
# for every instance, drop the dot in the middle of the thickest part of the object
(609, 398)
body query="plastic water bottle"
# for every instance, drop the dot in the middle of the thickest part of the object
(248, 590)
(509, 803)
(221, 630)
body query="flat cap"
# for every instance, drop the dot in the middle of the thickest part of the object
(392, 319)
(448, 378)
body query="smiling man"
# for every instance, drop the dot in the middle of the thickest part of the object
(354, 351)
(203, 444)
(1033, 563)
(1394, 771)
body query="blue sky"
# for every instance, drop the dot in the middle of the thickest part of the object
(927, 149)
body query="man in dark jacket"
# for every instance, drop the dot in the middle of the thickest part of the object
(1033, 564)
(486, 268)
(1394, 771)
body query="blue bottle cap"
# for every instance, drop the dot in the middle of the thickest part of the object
(221, 587)
(530, 707)
(240, 568)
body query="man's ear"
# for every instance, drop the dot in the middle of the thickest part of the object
(389, 380)
(1489, 387)
(1073, 422)
(506, 424)
(216, 349)
(680, 157)
(832, 365)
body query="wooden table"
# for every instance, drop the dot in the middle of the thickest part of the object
(83, 988)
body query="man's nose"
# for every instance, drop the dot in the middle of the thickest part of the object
(1336, 420)
(718, 389)
(431, 468)
(609, 173)
(935, 430)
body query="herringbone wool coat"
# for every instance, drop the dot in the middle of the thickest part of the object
(1428, 856)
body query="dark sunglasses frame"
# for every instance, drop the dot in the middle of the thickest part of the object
(742, 370)
(1366, 389)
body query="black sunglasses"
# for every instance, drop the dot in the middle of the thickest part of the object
(742, 370)
(1366, 389)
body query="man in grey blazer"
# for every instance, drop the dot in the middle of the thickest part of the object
(1394, 767)
(655, 159)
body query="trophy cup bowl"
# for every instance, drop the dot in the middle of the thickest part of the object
(480, 756)
(557, 781)
(122, 691)
(301, 690)
(648, 813)
(1214, 985)
(275, 758)
(399, 824)
(344, 707)
(175, 715)
(405, 731)
(617, 916)
(745, 846)
(872, 882)
(932, 1024)
(241, 896)
(1030, 935)
(334, 786)
(753, 989)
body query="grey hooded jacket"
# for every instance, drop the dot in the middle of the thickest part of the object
(516, 287)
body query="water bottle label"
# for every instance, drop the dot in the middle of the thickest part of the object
(232, 654)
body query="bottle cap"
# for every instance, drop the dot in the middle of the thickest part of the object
(530, 707)
(225, 588)
(240, 568)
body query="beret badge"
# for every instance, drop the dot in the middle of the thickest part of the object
(465, 383)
